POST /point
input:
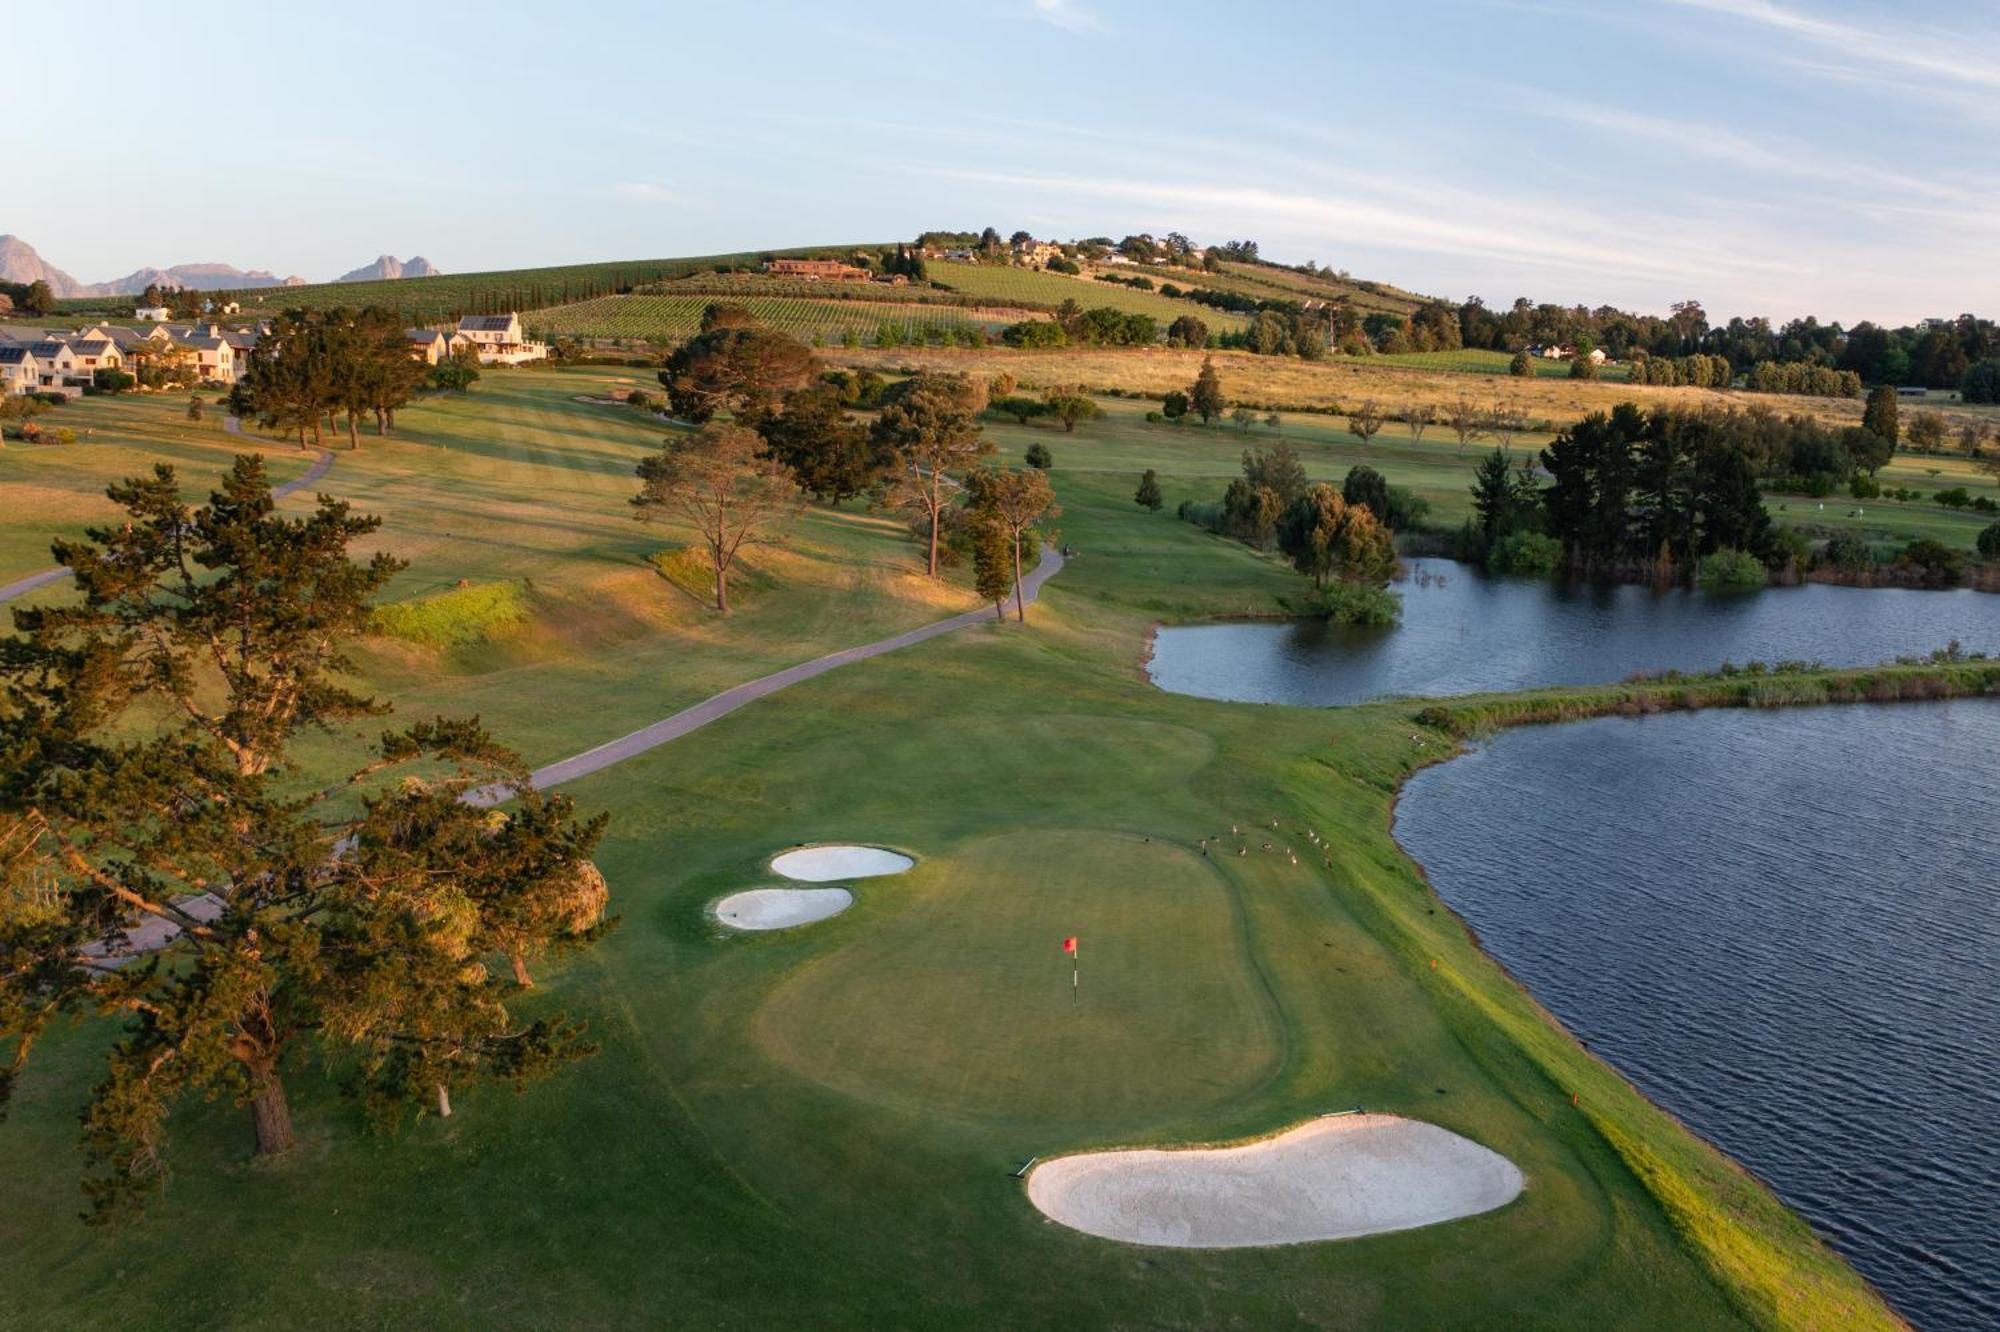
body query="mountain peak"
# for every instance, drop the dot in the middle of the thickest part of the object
(388, 266)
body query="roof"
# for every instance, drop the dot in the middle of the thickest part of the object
(14, 353)
(92, 347)
(486, 323)
(48, 347)
(423, 334)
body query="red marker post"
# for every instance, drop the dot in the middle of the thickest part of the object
(1069, 946)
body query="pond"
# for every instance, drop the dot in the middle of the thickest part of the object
(1784, 927)
(1463, 632)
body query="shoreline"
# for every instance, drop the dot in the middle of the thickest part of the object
(1953, 680)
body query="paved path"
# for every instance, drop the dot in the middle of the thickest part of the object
(150, 933)
(729, 700)
(23, 586)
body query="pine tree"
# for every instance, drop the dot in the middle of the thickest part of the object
(149, 732)
(1149, 496)
(1205, 397)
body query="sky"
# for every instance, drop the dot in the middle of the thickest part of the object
(1775, 157)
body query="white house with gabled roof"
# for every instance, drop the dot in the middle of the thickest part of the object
(497, 340)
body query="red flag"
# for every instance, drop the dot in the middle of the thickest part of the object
(1069, 945)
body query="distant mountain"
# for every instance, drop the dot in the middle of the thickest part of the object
(20, 263)
(195, 277)
(388, 266)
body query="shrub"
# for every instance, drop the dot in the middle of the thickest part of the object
(111, 380)
(1525, 553)
(1174, 406)
(1864, 486)
(1845, 550)
(1933, 562)
(1522, 366)
(1358, 604)
(1731, 570)
(448, 619)
(1039, 457)
(1955, 498)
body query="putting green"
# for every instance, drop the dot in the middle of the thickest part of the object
(961, 1002)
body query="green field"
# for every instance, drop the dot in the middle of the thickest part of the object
(818, 1127)
(1006, 285)
(675, 317)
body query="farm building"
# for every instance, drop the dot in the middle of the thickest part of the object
(497, 340)
(427, 344)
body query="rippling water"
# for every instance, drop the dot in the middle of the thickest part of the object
(1785, 928)
(1462, 633)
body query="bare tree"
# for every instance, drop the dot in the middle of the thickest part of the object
(1417, 416)
(721, 481)
(1505, 423)
(1466, 421)
(1365, 420)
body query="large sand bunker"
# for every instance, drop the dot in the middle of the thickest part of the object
(1333, 1178)
(781, 908)
(819, 864)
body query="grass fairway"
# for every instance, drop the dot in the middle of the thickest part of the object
(817, 1127)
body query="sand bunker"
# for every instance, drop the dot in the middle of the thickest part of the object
(818, 864)
(1330, 1179)
(781, 908)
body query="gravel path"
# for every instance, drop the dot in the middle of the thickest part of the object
(23, 586)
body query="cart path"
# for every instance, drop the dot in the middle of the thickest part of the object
(729, 700)
(22, 586)
(151, 933)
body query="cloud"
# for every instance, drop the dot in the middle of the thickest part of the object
(1067, 15)
(646, 192)
(1718, 143)
(1906, 54)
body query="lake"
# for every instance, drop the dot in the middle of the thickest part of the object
(1784, 927)
(1463, 632)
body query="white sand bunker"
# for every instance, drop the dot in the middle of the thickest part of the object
(818, 864)
(1333, 1178)
(781, 908)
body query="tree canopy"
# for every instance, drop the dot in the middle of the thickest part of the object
(222, 909)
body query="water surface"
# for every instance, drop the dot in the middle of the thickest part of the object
(1463, 633)
(1785, 928)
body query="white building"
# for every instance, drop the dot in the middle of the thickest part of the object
(497, 339)
(18, 371)
(152, 314)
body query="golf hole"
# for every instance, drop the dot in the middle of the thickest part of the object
(819, 864)
(1334, 1178)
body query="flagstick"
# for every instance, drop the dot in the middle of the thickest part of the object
(1075, 971)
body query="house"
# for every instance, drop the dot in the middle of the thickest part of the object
(214, 356)
(152, 314)
(427, 344)
(55, 363)
(816, 270)
(1036, 253)
(18, 371)
(1597, 356)
(94, 354)
(224, 308)
(497, 340)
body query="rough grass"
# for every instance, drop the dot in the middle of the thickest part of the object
(456, 617)
(1289, 384)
